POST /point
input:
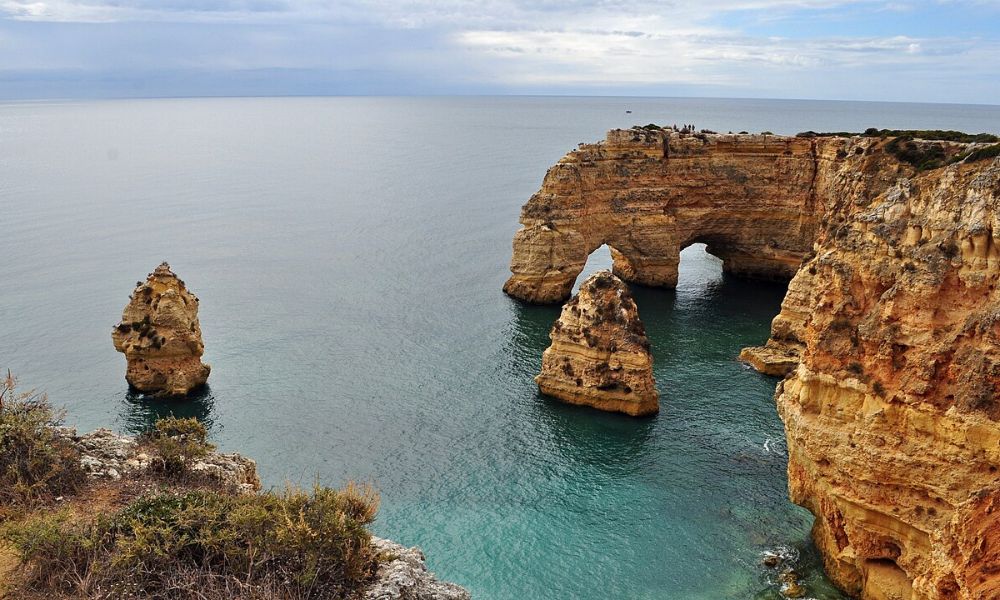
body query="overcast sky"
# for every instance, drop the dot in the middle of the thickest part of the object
(928, 51)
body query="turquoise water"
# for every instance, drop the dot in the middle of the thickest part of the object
(349, 255)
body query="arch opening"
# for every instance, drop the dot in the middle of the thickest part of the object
(597, 260)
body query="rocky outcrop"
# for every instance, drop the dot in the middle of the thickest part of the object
(406, 577)
(160, 336)
(891, 416)
(889, 332)
(649, 193)
(599, 355)
(105, 454)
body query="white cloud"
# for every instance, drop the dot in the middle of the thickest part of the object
(549, 45)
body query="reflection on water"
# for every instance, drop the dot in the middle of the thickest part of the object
(140, 411)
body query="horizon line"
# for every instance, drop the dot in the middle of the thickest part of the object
(9, 101)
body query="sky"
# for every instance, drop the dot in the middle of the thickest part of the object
(928, 51)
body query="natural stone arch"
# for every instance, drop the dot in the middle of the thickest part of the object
(888, 332)
(648, 194)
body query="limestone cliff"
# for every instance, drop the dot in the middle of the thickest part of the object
(891, 417)
(889, 331)
(160, 336)
(599, 355)
(649, 193)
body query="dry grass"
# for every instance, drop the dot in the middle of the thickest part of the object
(36, 464)
(162, 534)
(293, 544)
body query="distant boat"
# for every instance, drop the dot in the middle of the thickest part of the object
(628, 112)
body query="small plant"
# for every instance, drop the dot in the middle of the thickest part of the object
(177, 442)
(36, 464)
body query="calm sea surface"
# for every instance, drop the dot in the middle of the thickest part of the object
(349, 253)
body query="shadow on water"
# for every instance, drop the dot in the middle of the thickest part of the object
(581, 434)
(140, 411)
(588, 436)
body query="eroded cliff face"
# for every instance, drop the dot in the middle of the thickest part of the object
(888, 333)
(160, 336)
(648, 194)
(891, 416)
(599, 355)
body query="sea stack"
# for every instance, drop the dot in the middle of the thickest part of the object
(160, 336)
(599, 354)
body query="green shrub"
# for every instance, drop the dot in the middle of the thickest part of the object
(923, 134)
(36, 464)
(277, 545)
(177, 443)
(983, 153)
(923, 156)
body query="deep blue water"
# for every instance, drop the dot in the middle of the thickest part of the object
(349, 253)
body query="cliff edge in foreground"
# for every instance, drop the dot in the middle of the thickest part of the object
(168, 517)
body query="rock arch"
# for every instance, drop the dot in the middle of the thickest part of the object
(889, 332)
(649, 193)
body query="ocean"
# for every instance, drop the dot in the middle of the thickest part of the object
(349, 254)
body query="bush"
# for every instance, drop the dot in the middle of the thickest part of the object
(923, 156)
(177, 443)
(289, 545)
(923, 134)
(983, 153)
(36, 464)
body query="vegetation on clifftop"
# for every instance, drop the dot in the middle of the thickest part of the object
(918, 147)
(206, 544)
(36, 465)
(177, 442)
(165, 532)
(937, 135)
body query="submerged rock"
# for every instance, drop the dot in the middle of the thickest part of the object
(160, 336)
(600, 355)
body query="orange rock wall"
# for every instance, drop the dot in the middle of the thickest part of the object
(889, 331)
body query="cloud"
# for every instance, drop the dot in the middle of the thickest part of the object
(800, 48)
(402, 14)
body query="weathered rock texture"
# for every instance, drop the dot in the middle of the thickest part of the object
(160, 336)
(889, 332)
(406, 577)
(648, 194)
(599, 355)
(891, 416)
(105, 454)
